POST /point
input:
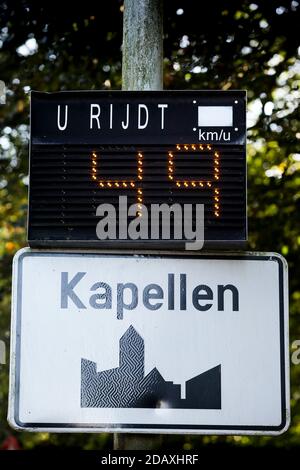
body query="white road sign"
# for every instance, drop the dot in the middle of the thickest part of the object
(149, 343)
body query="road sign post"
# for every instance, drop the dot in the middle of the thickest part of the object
(142, 63)
(142, 69)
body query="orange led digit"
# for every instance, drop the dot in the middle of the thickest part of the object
(112, 184)
(187, 183)
(140, 178)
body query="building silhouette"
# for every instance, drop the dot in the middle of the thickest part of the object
(127, 386)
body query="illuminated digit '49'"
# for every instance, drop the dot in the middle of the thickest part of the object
(193, 183)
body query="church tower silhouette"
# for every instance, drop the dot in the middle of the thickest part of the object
(132, 352)
(127, 387)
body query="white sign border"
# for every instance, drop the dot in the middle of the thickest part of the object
(13, 419)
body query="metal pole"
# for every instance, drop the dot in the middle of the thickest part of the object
(142, 66)
(142, 69)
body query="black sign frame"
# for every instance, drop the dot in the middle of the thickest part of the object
(173, 118)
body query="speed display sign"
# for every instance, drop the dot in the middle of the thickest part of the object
(89, 148)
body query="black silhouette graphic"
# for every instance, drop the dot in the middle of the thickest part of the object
(127, 387)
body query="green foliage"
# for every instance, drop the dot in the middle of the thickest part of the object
(228, 45)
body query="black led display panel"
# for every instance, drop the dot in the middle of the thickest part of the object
(90, 147)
